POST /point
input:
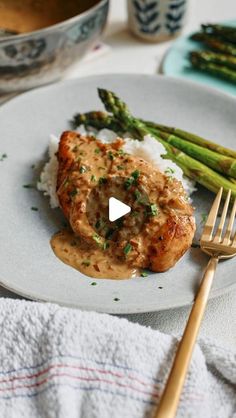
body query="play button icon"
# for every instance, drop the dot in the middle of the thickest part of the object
(117, 209)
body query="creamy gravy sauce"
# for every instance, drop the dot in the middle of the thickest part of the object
(91, 261)
(22, 21)
(28, 16)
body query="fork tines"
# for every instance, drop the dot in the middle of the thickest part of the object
(227, 242)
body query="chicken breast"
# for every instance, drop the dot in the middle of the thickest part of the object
(169, 226)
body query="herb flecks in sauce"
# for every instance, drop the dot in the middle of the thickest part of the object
(103, 262)
(203, 218)
(97, 238)
(110, 156)
(153, 210)
(3, 157)
(28, 186)
(73, 193)
(128, 248)
(102, 180)
(169, 171)
(83, 169)
(130, 181)
(86, 263)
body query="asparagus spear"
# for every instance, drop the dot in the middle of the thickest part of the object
(216, 58)
(195, 139)
(96, 119)
(214, 69)
(219, 162)
(100, 120)
(191, 167)
(228, 33)
(214, 43)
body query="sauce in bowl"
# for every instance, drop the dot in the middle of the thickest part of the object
(30, 15)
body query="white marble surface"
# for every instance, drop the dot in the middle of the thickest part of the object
(129, 55)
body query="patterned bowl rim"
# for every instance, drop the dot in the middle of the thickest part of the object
(58, 25)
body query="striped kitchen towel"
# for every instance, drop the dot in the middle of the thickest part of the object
(64, 363)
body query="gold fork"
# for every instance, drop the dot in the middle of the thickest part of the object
(217, 247)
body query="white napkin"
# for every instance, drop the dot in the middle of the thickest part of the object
(64, 363)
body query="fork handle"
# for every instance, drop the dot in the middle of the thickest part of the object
(171, 395)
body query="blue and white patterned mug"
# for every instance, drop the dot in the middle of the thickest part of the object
(156, 20)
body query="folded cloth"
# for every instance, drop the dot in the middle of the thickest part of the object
(60, 362)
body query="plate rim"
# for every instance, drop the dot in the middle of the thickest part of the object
(117, 309)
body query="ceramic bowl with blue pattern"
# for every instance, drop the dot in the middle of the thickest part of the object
(41, 39)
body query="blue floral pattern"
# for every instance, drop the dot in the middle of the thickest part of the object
(88, 27)
(175, 15)
(154, 16)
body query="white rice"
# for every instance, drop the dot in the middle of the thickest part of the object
(48, 177)
(149, 149)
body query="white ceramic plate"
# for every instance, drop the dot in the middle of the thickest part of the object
(27, 263)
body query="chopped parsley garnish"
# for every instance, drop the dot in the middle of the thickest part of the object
(96, 238)
(105, 246)
(73, 193)
(110, 156)
(93, 178)
(204, 218)
(128, 183)
(137, 194)
(140, 198)
(169, 171)
(82, 169)
(65, 183)
(116, 299)
(144, 274)
(28, 186)
(97, 150)
(99, 224)
(101, 168)
(109, 233)
(128, 248)
(135, 174)
(93, 284)
(131, 180)
(34, 208)
(134, 213)
(75, 148)
(86, 263)
(152, 210)
(120, 167)
(3, 157)
(121, 152)
(102, 180)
